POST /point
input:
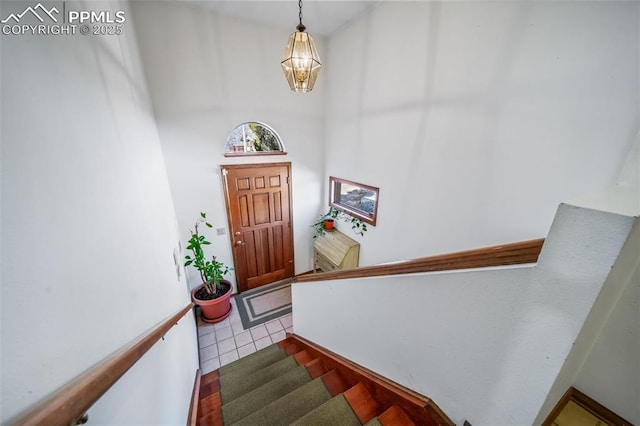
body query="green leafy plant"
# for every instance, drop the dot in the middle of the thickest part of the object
(211, 271)
(357, 225)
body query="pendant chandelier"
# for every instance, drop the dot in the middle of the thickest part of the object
(301, 61)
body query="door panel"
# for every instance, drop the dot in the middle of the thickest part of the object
(258, 198)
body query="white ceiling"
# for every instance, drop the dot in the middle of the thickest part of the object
(321, 17)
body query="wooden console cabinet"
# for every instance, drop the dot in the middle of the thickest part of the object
(333, 251)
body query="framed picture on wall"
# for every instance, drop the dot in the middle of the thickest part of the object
(356, 199)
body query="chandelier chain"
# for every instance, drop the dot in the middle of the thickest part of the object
(300, 12)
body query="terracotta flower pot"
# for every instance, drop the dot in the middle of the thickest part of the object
(214, 310)
(328, 224)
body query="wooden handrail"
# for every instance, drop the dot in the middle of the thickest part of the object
(70, 402)
(505, 254)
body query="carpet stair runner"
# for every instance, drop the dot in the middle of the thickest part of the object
(298, 383)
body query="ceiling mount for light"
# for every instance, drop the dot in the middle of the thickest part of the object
(301, 61)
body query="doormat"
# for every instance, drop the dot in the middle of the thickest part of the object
(265, 303)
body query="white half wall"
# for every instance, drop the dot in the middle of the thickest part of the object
(476, 119)
(486, 345)
(88, 226)
(604, 362)
(207, 73)
(611, 372)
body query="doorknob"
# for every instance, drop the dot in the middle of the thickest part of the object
(239, 243)
(237, 233)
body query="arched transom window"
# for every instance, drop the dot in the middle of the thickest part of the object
(253, 138)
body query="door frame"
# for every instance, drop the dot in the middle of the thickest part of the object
(227, 201)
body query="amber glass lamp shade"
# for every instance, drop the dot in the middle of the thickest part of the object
(301, 61)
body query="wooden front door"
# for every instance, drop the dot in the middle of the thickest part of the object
(258, 198)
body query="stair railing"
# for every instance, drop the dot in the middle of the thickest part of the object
(501, 255)
(68, 405)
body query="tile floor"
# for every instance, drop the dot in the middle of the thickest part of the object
(227, 341)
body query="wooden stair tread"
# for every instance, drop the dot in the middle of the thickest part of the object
(211, 419)
(334, 382)
(211, 385)
(291, 349)
(209, 377)
(210, 410)
(211, 402)
(316, 368)
(395, 416)
(303, 357)
(362, 403)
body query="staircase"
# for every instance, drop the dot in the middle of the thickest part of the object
(295, 382)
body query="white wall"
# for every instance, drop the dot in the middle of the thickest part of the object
(610, 373)
(88, 225)
(501, 346)
(485, 345)
(498, 111)
(604, 361)
(476, 119)
(208, 73)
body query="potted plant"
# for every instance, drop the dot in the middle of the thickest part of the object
(214, 294)
(329, 224)
(326, 222)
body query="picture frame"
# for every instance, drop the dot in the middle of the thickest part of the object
(354, 198)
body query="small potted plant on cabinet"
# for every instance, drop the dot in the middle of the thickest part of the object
(326, 222)
(214, 294)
